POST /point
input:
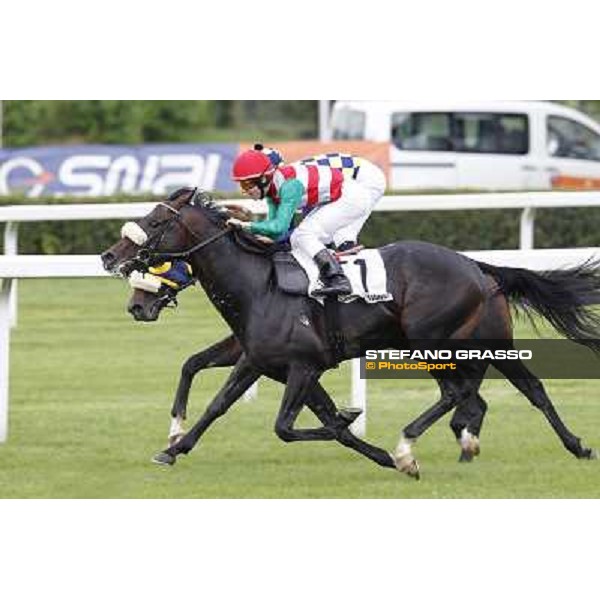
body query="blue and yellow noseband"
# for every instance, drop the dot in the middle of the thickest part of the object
(176, 275)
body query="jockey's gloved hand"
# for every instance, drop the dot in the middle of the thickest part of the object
(237, 224)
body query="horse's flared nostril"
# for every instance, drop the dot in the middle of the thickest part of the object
(108, 260)
(136, 310)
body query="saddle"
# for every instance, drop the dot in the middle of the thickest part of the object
(364, 269)
(291, 277)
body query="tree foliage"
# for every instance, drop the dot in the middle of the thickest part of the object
(42, 122)
(46, 122)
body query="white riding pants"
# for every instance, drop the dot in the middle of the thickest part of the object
(343, 219)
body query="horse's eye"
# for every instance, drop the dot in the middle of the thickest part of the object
(154, 223)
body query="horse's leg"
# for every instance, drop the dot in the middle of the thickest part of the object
(458, 390)
(224, 353)
(434, 323)
(324, 408)
(403, 456)
(301, 381)
(321, 404)
(239, 380)
(466, 424)
(317, 401)
(529, 385)
(467, 420)
(468, 417)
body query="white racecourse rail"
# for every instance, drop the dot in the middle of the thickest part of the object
(14, 267)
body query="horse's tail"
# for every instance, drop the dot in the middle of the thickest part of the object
(564, 297)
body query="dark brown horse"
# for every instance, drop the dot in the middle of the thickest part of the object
(437, 295)
(466, 422)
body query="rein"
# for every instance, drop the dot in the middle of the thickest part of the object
(146, 255)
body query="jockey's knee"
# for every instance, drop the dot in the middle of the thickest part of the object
(301, 234)
(307, 241)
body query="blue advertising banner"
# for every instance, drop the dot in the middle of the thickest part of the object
(103, 170)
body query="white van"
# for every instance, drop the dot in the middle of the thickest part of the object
(485, 145)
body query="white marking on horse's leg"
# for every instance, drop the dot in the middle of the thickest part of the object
(251, 393)
(176, 432)
(404, 446)
(404, 459)
(469, 442)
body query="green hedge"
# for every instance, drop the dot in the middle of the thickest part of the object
(486, 229)
(462, 230)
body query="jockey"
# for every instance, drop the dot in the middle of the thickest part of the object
(336, 193)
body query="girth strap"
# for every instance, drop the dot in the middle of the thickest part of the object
(335, 336)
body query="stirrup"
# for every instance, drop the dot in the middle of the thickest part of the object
(329, 289)
(348, 248)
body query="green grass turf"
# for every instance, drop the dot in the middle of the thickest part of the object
(91, 390)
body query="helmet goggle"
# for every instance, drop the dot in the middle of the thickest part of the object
(248, 184)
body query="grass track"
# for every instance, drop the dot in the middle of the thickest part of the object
(91, 391)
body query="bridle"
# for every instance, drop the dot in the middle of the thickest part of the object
(148, 256)
(149, 253)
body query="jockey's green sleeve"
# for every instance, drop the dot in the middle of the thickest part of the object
(281, 215)
(271, 208)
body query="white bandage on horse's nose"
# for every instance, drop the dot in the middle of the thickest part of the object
(132, 231)
(145, 282)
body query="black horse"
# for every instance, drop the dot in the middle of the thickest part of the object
(437, 295)
(466, 422)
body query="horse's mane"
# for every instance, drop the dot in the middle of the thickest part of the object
(218, 214)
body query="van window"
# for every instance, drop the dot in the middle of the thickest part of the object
(491, 133)
(422, 131)
(348, 124)
(462, 132)
(569, 139)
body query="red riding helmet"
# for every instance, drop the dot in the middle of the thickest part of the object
(252, 164)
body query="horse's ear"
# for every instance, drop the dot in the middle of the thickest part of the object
(191, 198)
(182, 196)
(201, 197)
(184, 191)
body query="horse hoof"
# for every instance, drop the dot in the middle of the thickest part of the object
(469, 446)
(413, 471)
(164, 459)
(408, 466)
(465, 457)
(591, 454)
